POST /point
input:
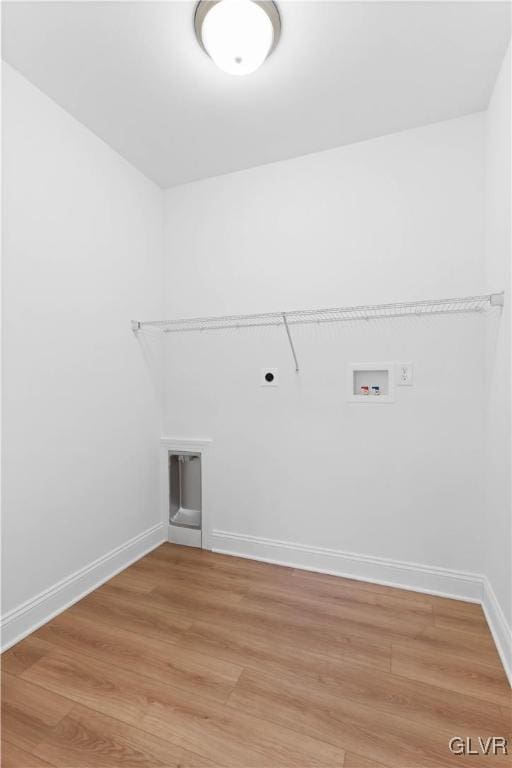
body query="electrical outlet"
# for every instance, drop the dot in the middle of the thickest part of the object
(269, 377)
(404, 374)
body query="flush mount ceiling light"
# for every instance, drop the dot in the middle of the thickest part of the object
(237, 34)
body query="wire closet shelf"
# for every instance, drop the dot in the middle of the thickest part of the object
(465, 304)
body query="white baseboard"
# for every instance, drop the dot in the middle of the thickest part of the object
(498, 625)
(25, 619)
(378, 570)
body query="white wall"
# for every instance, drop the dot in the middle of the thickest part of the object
(82, 255)
(497, 523)
(396, 218)
(400, 217)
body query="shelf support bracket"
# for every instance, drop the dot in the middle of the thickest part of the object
(135, 326)
(287, 329)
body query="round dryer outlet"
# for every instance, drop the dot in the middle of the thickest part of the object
(269, 377)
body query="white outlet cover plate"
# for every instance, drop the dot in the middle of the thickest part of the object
(274, 372)
(404, 374)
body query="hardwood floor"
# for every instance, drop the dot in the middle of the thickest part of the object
(194, 659)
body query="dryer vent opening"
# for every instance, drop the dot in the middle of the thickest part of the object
(185, 490)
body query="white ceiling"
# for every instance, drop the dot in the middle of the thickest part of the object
(343, 72)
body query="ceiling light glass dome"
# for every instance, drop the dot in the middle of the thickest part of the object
(238, 35)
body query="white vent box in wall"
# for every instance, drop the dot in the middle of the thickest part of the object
(370, 383)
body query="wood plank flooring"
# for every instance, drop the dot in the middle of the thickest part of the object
(193, 659)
